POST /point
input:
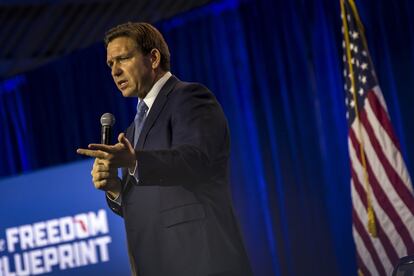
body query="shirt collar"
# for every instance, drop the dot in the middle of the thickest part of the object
(153, 93)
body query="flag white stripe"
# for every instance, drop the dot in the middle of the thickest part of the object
(379, 171)
(386, 223)
(360, 210)
(390, 150)
(380, 97)
(364, 253)
(397, 199)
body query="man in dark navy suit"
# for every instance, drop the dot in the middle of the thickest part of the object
(174, 193)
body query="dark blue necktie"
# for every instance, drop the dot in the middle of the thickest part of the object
(139, 120)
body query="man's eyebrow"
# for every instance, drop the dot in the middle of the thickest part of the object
(120, 55)
(111, 60)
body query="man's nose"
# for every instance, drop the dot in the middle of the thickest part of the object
(116, 70)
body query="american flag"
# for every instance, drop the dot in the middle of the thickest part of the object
(381, 189)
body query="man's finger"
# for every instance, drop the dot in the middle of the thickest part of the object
(96, 162)
(100, 161)
(101, 147)
(92, 153)
(106, 184)
(100, 184)
(123, 140)
(103, 176)
(113, 149)
(120, 137)
(102, 168)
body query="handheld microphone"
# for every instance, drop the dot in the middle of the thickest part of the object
(107, 122)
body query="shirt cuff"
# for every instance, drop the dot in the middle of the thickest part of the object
(116, 200)
(134, 173)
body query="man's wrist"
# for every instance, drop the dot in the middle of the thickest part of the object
(115, 190)
(114, 195)
(133, 162)
(133, 168)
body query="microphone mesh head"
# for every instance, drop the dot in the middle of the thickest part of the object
(107, 119)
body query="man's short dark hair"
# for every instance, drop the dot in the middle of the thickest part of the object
(146, 36)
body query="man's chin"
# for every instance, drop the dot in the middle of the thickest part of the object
(141, 94)
(128, 93)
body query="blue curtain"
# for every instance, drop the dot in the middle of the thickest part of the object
(276, 68)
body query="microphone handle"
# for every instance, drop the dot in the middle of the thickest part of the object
(106, 135)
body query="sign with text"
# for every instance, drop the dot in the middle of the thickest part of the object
(54, 221)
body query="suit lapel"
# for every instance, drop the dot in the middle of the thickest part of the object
(156, 109)
(130, 136)
(130, 133)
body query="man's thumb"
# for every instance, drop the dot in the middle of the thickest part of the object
(123, 140)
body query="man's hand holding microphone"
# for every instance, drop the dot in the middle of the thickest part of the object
(108, 158)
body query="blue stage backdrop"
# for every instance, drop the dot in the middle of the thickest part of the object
(54, 221)
(276, 67)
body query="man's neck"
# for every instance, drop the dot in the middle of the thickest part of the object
(156, 88)
(158, 76)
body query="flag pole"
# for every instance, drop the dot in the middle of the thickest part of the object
(372, 229)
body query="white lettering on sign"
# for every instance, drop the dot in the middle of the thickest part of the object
(56, 244)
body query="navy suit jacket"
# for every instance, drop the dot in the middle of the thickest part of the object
(179, 217)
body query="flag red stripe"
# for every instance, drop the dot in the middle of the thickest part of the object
(389, 182)
(382, 198)
(368, 243)
(362, 266)
(394, 178)
(385, 241)
(382, 116)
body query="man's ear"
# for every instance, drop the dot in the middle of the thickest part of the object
(155, 58)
